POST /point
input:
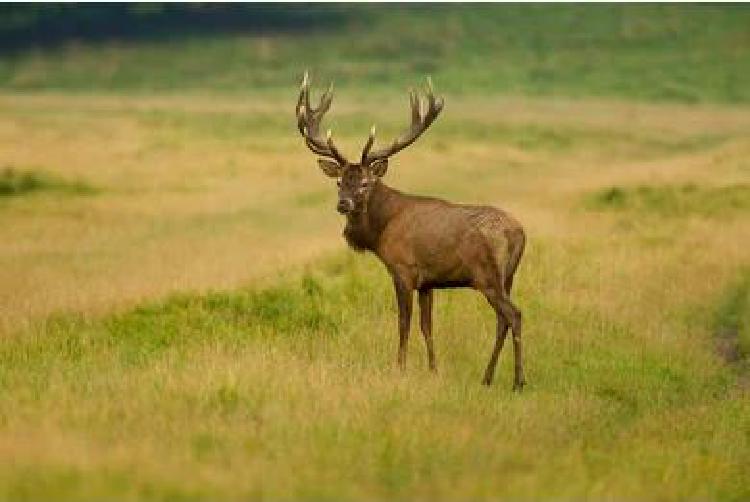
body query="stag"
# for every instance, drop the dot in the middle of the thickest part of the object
(425, 243)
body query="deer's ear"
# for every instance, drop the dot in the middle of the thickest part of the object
(379, 167)
(331, 169)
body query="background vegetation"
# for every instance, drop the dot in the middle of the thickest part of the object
(180, 319)
(685, 53)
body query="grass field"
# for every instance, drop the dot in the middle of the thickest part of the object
(180, 318)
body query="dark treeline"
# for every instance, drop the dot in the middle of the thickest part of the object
(25, 26)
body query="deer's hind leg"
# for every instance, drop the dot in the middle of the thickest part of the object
(513, 315)
(425, 318)
(507, 315)
(490, 284)
(502, 331)
(497, 292)
(517, 240)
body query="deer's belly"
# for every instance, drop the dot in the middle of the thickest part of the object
(449, 266)
(445, 284)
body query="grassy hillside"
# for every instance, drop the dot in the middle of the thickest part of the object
(684, 53)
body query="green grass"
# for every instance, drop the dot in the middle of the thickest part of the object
(674, 200)
(732, 322)
(289, 392)
(14, 182)
(683, 53)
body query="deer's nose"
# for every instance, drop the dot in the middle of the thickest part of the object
(345, 206)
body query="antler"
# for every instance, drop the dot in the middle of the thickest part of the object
(309, 119)
(419, 124)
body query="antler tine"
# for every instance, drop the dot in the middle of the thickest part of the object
(434, 105)
(309, 119)
(336, 154)
(416, 107)
(325, 101)
(368, 145)
(430, 88)
(419, 124)
(303, 104)
(301, 98)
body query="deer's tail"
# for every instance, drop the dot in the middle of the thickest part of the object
(516, 246)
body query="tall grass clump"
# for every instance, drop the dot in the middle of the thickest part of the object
(14, 182)
(675, 200)
(732, 322)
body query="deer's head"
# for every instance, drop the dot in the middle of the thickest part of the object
(356, 179)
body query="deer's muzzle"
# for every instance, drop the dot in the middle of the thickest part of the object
(345, 206)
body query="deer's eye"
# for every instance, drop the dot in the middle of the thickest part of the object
(338, 183)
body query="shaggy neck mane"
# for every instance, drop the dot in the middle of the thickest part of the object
(363, 228)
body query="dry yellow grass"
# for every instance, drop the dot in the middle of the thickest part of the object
(627, 397)
(198, 193)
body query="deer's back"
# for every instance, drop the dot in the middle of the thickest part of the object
(444, 244)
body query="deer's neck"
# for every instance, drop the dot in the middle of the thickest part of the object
(364, 228)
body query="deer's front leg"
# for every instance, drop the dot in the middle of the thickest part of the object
(404, 297)
(425, 316)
